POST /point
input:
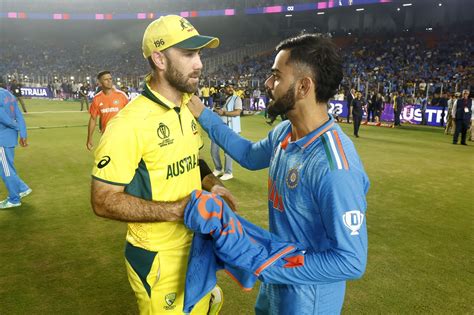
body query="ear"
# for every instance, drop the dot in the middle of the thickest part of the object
(159, 60)
(304, 88)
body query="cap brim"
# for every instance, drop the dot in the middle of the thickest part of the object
(198, 42)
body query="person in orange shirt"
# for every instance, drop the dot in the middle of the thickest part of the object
(105, 105)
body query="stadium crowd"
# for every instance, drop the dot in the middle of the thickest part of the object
(420, 65)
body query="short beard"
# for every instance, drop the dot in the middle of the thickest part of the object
(177, 80)
(282, 105)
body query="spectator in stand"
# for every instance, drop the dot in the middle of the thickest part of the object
(339, 95)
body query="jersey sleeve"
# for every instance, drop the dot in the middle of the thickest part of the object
(251, 155)
(94, 108)
(342, 203)
(20, 120)
(118, 154)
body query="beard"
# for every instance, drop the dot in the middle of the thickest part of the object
(282, 105)
(179, 81)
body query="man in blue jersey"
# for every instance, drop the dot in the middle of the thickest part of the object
(317, 185)
(11, 123)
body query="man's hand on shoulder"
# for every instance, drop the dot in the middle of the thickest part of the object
(196, 106)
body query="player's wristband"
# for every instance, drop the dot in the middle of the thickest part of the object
(204, 168)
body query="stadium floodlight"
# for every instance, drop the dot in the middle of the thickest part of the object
(360, 9)
(320, 13)
(407, 4)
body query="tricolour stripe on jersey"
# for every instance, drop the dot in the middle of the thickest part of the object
(328, 152)
(334, 150)
(3, 158)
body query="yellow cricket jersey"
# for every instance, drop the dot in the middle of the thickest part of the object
(205, 92)
(240, 93)
(152, 149)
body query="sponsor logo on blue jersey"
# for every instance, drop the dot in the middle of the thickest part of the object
(353, 221)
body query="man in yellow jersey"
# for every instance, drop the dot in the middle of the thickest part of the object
(205, 95)
(147, 164)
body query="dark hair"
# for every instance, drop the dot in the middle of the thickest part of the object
(321, 55)
(102, 73)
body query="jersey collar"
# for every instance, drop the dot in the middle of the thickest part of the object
(307, 140)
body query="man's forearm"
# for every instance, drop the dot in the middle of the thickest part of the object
(124, 207)
(90, 129)
(210, 181)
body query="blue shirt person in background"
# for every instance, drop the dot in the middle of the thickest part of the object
(317, 184)
(11, 124)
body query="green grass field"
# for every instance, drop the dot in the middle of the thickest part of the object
(57, 257)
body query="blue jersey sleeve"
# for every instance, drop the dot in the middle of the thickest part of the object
(20, 120)
(341, 199)
(253, 156)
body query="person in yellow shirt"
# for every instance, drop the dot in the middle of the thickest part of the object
(147, 164)
(205, 94)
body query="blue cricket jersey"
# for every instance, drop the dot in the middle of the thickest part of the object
(316, 197)
(11, 120)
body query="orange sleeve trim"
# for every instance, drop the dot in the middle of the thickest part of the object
(238, 282)
(285, 141)
(272, 260)
(341, 150)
